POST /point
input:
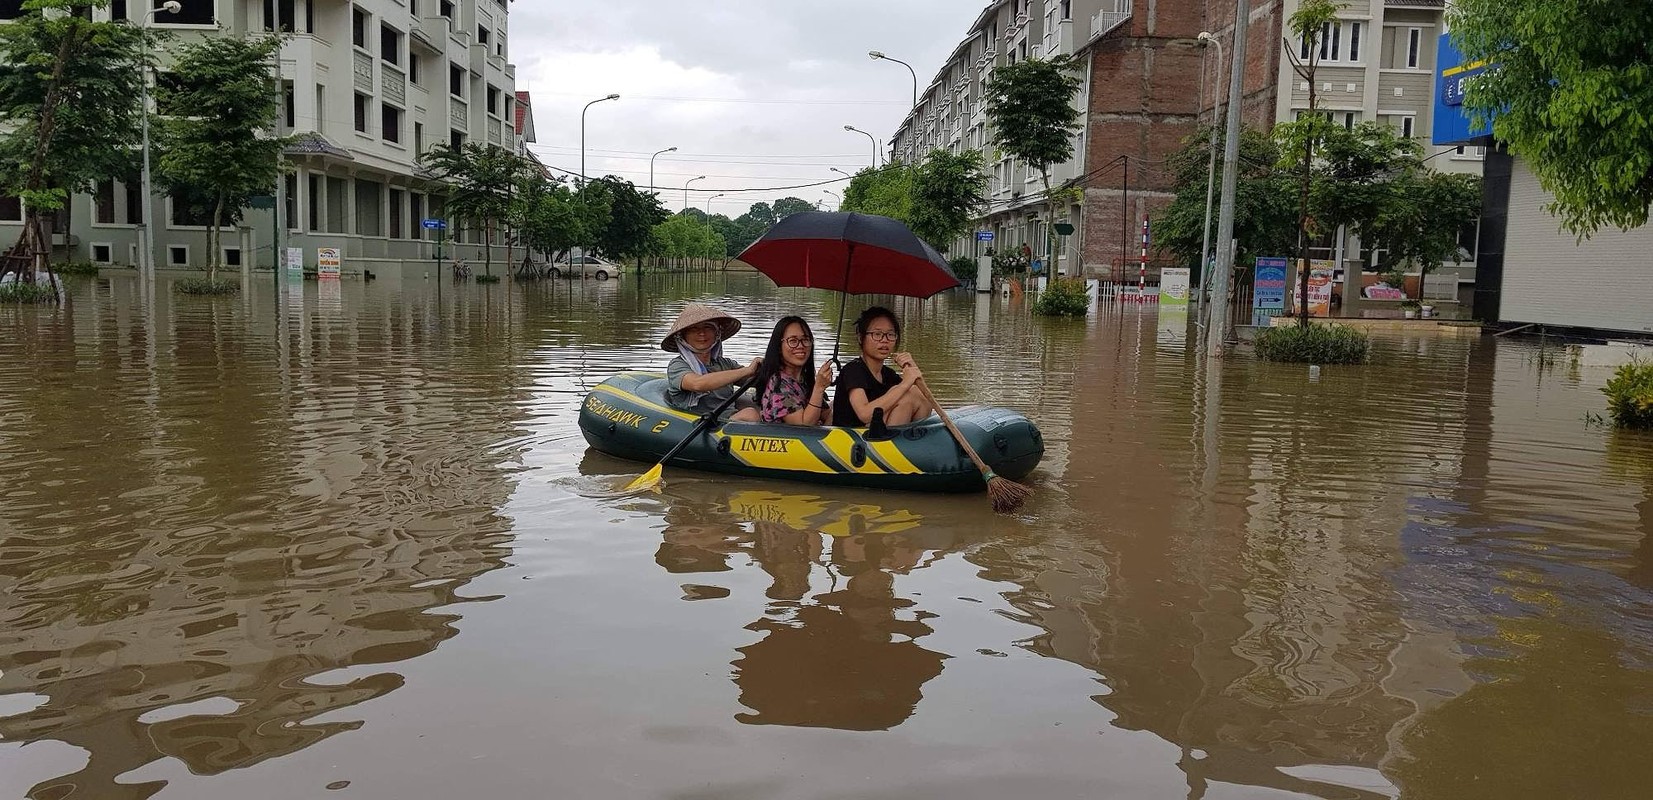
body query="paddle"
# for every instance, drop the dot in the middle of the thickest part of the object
(651, 479)
(1007, 495)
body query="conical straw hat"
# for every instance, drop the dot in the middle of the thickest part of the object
(693, 314)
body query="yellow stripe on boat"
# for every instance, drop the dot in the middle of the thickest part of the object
(892, 456)
(839, 443)
(775, 452)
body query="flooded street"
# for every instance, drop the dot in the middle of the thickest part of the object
(341, 544)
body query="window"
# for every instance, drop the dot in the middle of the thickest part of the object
(390, 45)
(104, 203)
(278, 15)
(358, 28)
(418, 137)
(177, 255)
(321, 107)
(315, 204)
(416, 213)
(363, 102)
(194, 12)
(483, 35)
(1469, 237)
(369, 197)
(1350, 118)
(117, 10)
(338, 203)
(1338, 41)
(446, 8)
(390, 118)
(102, 254)
(1354, 41)
(397, 230)
(288, 111)
(456, 139)
(493, 100)
(134, 204)
(188, 212)
(232, 256)
(499, 49)
(291, 206)
(456, 81)
(414, 73)
(1407, 125)
(1414, 47)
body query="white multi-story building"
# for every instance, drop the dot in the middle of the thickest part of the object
(951, 113)
(369, 86)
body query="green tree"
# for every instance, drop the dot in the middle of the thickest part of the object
(1309, 24)
(1030, 106)
(886, 191)
(548, 217)
(787, 206)
(222, 100)
(1264, 214)
(949, 190)
(69, 107)
(1421, 221)
(761, 214)
(1571, 94)
(482, 184)
(632, 216)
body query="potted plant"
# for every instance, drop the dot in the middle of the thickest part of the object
(1410, 309)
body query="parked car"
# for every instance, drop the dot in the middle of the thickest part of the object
(585, 266)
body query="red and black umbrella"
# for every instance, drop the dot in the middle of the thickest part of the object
(851, 253)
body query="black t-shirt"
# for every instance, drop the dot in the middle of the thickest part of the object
(857, 376)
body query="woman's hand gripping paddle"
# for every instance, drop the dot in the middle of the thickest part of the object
(651, 479)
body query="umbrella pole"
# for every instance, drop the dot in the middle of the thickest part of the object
(838, 333)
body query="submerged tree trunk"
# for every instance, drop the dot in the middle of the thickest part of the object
(488, 247)
(34, 233)
(213, 237)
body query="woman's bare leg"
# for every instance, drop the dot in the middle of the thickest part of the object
(746, 415)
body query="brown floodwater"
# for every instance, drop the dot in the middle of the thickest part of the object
(343, 543)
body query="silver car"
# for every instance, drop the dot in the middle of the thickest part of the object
(587, 267)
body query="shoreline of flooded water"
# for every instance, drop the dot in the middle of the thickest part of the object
(265, 545)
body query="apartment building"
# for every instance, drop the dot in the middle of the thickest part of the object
(368, 85)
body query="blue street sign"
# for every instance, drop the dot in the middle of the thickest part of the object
(436, 224)
(984, 236)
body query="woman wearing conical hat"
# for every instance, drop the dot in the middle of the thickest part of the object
(700, 378)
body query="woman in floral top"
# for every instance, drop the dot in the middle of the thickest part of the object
(791, 390)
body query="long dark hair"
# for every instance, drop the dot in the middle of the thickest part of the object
(774, 359)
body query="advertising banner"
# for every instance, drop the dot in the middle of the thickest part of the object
(329, 262)
(295, 262)
(1268, 299)
(1173, 287)
(1321, 274)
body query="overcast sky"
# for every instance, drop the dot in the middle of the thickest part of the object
(753, 93)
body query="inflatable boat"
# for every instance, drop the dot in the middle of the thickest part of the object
(627, 416)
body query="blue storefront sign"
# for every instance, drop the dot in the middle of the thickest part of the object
(1453, 125)
(984, 236)
(1268, 298)
(435, 224)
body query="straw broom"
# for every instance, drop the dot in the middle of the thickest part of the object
(1007, 495)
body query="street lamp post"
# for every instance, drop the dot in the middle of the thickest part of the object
(709, 228)
(840, 172)
(876, 55)
(1210, 183)
(146, 254)
(582, 131)
(1216, 334)
(686, 190)
(651, 166)
(835, 196)
(870, 138)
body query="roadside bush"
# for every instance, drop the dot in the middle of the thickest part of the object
(26, 293)
(1064, 297)
(963, 267)
(206, 286)
(76, 268)
(1315, 344)
(1630, 396)
(487, 279)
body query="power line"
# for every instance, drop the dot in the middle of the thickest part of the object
(740, 100)
(697, 190)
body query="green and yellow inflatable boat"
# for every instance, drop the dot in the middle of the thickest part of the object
(627, 416)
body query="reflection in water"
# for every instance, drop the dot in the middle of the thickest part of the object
(845, 658)
(223, 505)
(242, 532)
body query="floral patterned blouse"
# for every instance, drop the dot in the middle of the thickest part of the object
(784, 395)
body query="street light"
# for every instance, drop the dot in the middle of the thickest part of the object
(709, 229)
(835, 196)
(582, 131)
(147, 252)
(686, 190)
(870, 138)
(840, 172)
(1210, 181)
(651, 166)
(876, 55)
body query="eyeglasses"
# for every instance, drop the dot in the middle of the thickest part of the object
(797, 341)
(882, 336)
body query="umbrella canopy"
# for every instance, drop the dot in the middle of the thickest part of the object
(849, 252)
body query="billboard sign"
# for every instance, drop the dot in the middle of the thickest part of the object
(1268, 299)
(1453, 125)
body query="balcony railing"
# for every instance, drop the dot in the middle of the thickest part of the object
(1106, 20)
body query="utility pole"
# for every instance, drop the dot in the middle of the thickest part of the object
(1216, 332)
